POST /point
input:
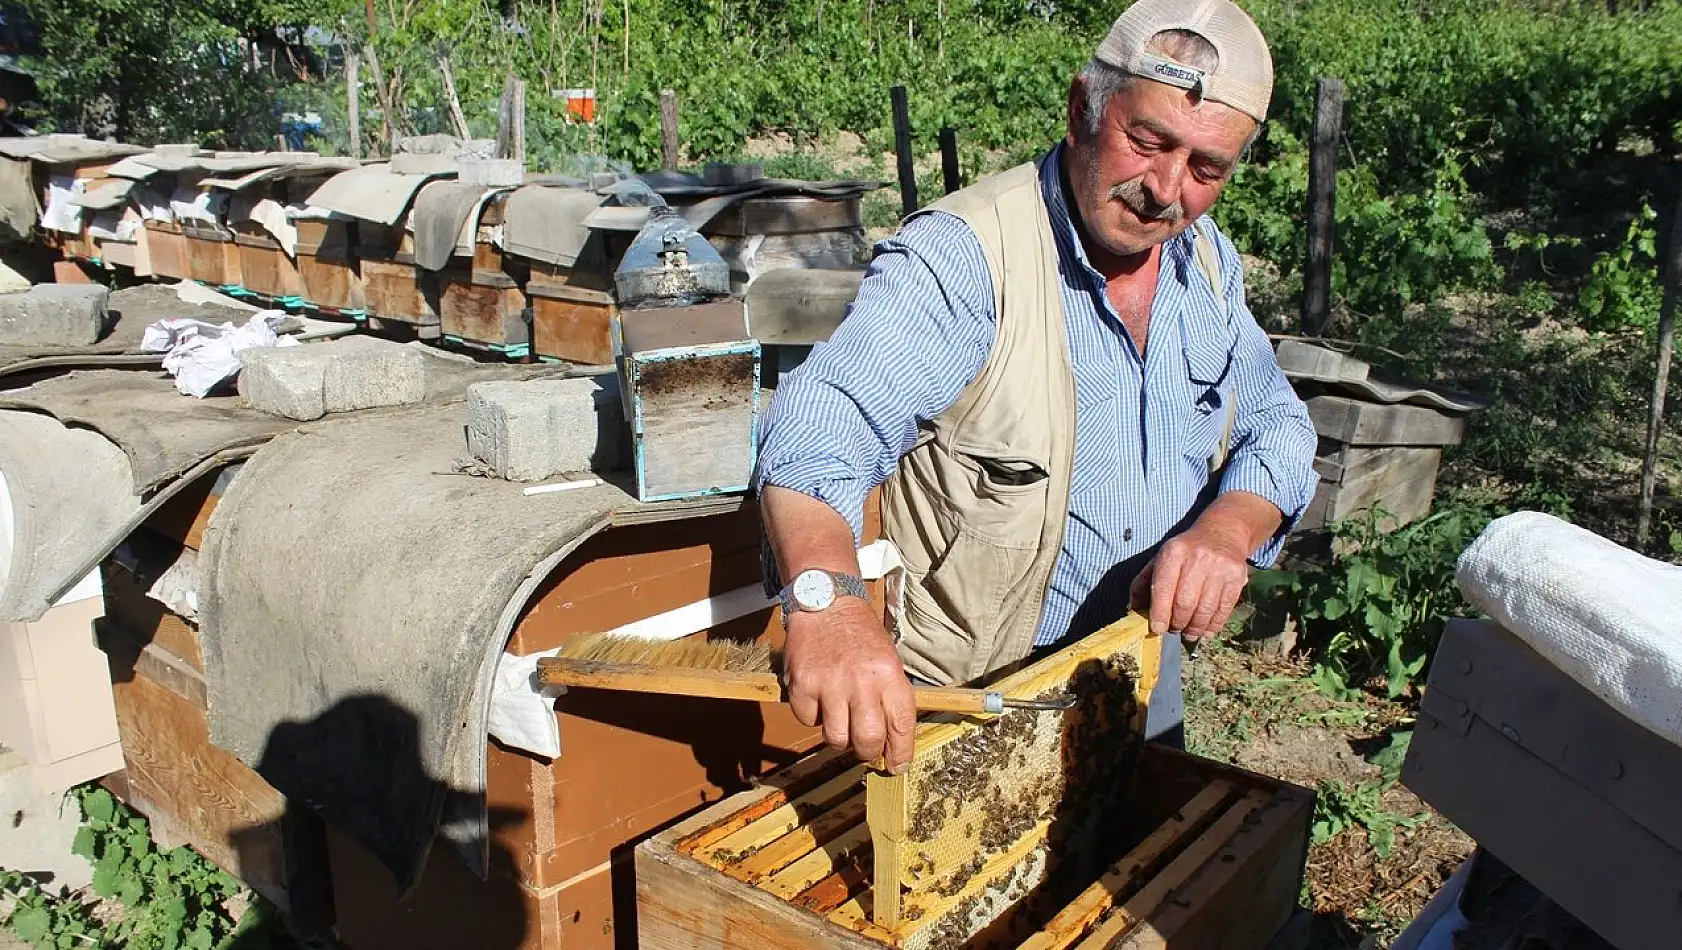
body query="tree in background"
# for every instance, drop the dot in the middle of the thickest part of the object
(149, 71)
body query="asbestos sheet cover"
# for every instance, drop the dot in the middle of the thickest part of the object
(354, 598)
(547, 224)
(70, 497)
(371, 193)
(163, 433)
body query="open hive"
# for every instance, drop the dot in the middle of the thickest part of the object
(1037, 830)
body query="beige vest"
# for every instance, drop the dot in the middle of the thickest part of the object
(978, 506)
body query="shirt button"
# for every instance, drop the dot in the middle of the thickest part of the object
(1127, 535)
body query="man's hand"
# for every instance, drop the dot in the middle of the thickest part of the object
(841, 671)
(1194, 582)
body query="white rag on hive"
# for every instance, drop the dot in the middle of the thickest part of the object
(522, 714)
(201, 356)
(1606, 616)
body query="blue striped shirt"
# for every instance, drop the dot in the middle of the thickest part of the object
(1145, 427)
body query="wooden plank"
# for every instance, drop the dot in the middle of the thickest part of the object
(205, 262)
(1402, 480)
(167, 251)
(572, 330)
(976, 787)
(1242, 896)
(129, 652)
(1354, 422)
(486, 314)
(146, 620)
(1128, 874)
(685, 905)
(400, 292)
(798, 306)
(801, 840)
(782, 820)
(818, 864)
(205, 796)
(1144, 905)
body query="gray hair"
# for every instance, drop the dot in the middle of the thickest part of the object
(1101, 81)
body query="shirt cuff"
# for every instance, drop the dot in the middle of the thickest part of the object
(1251, 474)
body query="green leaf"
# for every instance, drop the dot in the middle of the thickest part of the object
(31, 923)
(99, 806)
(83, 844)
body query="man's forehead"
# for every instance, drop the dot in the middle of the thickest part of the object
(1204, 126)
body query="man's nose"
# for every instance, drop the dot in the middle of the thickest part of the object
(1165, 179)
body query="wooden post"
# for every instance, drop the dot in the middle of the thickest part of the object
(511, 120)
(353, 101)
(1322, 207)
(457, 118)
(949, 159)
(668, 130)
(902, 146)
(1667, 345)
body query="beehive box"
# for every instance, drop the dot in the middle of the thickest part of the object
(327, 266)
(571, 323)
(572, 307)
(212, 256)
(265, 268)
(689, 377)
(394, 287)
(167, 249)
(1039, 831)
(483, 310)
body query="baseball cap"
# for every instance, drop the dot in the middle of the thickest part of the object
(1243, 75)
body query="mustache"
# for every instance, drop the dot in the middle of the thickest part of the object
(1133, 194)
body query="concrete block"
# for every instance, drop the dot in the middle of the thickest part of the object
(538, 428)
(491, 172)
(285, 381)
(309, 381)
(54, 315)
(366, 372)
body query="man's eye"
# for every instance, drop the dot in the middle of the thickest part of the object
(1143, 145)
(1208, 174)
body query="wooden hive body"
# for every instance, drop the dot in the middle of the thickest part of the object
(1073, 834)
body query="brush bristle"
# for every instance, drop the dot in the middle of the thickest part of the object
(692, 653)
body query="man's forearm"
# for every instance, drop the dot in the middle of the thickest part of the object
(805, 533)
(1241, 518)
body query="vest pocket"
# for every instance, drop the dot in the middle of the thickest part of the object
(1005, 503)
(963, 596)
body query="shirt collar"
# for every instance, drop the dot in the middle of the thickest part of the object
(1176, 252)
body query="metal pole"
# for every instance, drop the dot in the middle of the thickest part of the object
(949, 159)
(902, 145)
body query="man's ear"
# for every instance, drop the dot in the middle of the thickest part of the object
(1076, 130)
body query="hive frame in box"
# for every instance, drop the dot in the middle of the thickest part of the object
(1202, 855)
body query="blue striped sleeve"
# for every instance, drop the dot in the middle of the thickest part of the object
(916, 335)
(1273, 440)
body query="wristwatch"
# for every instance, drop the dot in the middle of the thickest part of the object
(816, 590)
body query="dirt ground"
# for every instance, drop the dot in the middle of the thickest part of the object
(1260, 714)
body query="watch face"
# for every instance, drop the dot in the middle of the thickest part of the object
(814, 590)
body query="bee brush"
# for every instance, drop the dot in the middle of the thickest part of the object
(728, 669)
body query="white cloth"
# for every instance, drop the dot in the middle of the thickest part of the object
(201, 356)
(61, 212)
(1606, 616)
(522, 714)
